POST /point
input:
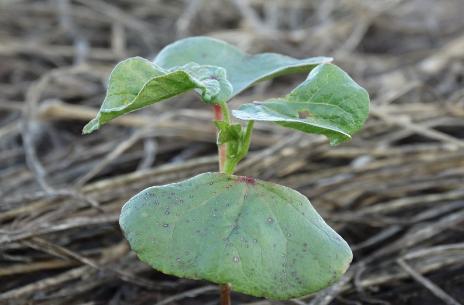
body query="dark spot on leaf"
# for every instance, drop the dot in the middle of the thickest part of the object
(304, 114)
(246, 179)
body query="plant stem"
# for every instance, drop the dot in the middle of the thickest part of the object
(225, 112)
(222, 113)
(225, 294)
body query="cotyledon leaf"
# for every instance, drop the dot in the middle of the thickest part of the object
(243, 70)
(262, 238)
(136, 82)
(328, 102)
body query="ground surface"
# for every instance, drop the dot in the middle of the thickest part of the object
(395, 192)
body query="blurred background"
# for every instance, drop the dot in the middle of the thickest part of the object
(395, 192)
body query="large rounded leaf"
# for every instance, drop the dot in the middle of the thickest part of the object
(243, 70)
(328, 102)
(263, 238)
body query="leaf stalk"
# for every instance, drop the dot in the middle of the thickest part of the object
(222, 153)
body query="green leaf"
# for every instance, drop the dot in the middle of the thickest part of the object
(136, 82)
(235, 137)
(329, 102)
(219, 89)
(243, 70)
(263, 238)
(228, 132)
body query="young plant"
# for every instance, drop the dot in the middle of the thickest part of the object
(259, 238)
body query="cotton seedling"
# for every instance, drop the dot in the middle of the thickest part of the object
(257, 237)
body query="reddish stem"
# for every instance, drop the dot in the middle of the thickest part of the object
(221, 148)
(225, 294)
(218, 112)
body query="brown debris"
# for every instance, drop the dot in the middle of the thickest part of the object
(395, 192)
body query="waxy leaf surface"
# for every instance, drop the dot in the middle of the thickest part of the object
(328, 102)
(136, 82)
(243, 70)
(263, 238)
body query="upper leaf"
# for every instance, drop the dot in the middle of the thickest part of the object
(136, 82)
(243, 70)
(263, 238)
(218, 88)
(328, 102)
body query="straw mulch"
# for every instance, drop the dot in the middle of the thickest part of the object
(395, 192)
